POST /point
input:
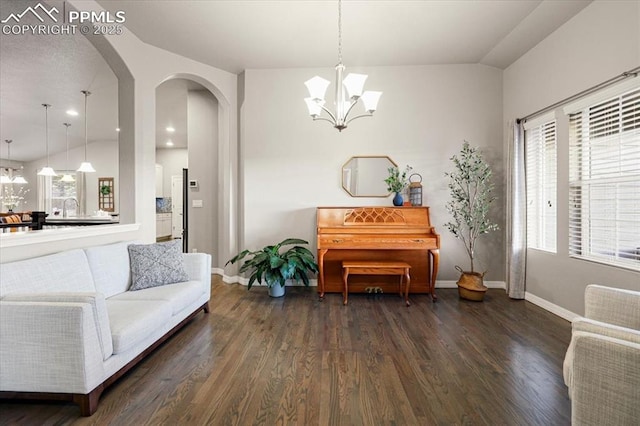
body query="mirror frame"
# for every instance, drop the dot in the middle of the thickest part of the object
(364, 156)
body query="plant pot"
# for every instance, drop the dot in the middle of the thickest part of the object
(471, 286)
(398, 200)
(276, 290)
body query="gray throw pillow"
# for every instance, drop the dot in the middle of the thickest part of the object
(153, 265)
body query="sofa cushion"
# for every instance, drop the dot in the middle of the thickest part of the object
(132, 321)
(98, 308)
(110, 268)
(156, 264)
(67, 271)
(180, 295)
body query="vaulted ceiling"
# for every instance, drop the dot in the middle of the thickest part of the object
(245, 34)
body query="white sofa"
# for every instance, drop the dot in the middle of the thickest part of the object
(602, 364)
(69, 327)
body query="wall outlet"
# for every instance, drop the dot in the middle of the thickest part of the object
(194, 250)
(196, 203)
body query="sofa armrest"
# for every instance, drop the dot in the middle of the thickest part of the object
(198, 267)
(606, 380)
(595, 327)
(605, 329)
(613, 306)
(49, 347)
(98, 307)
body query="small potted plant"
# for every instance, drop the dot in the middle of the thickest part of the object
(274, 267)
(397, 182)
(471, 187)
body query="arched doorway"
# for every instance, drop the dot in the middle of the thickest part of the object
(187, 158)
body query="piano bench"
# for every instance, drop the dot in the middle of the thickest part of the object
(364, 267)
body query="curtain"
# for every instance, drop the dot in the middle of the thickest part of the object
(516, 214)
(43, 193)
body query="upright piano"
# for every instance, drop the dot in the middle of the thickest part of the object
(376, 233)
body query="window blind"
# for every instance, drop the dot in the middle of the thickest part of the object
(541, 181)
(604, 181)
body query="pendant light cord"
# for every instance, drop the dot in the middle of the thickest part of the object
(46, 129)
(67, 142)
(340, 31)
(86, 95)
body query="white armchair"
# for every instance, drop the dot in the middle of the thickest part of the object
(602, 364)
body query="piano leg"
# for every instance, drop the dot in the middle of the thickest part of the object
(435, 260)
(345, 283)
(407, 284)
(321, 254)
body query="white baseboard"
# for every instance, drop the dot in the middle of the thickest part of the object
(551, 307)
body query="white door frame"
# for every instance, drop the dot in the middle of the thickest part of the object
(177, 209)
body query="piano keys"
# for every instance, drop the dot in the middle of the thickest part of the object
(376, 234)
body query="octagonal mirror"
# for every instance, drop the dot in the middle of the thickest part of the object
(363, 176)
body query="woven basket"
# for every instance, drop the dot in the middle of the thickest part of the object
(471, 285)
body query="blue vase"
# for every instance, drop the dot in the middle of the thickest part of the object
(397, 200)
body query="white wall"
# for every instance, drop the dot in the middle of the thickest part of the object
(602, 41)
(202, 124)
(293, 165)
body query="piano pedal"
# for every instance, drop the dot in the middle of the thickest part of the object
(378, 292)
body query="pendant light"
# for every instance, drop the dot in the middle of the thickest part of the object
(86, 166)
(47, 171)
(7, 178)
(67, 177)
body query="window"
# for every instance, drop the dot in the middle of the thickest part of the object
(53, 192)
(604, 181)
(541, 160)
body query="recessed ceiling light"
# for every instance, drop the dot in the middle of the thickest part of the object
(72, 112)
(117, 129)
(169, 143)
(170, 129)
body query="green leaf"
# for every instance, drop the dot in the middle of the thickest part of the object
(290, 241)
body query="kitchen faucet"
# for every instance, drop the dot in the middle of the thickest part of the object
(64, 206)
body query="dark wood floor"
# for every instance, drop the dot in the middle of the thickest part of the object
(259, 361)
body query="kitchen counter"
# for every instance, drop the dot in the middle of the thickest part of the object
(81, 221)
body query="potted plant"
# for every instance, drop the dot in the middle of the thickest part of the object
(471, 187)
(397, 182)
(274, 267)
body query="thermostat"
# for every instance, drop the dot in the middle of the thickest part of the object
(193, 184)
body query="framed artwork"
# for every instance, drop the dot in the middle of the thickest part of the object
(106, 196)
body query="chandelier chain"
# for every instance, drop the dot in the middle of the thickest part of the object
(66, 138)
(340, 31)
(46, 129)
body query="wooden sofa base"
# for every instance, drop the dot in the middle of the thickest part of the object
(88, 403)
